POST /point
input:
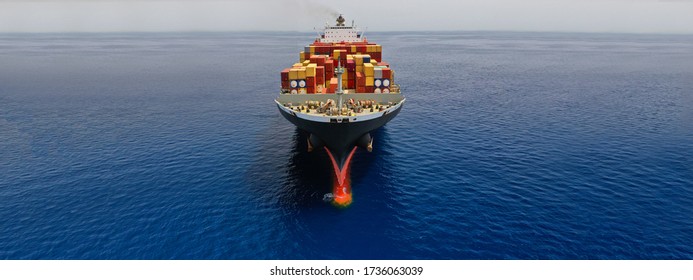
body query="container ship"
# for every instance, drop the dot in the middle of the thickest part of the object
(339, 91)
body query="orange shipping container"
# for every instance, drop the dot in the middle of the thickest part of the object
(333, 86)
(318, 59)
(360, 80)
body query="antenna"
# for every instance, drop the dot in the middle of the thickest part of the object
(317, 32)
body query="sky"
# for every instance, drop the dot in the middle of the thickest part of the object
(622, 16)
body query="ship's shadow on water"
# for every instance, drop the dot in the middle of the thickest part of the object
(309, 173)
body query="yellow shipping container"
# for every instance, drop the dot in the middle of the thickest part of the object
(301, 73)
(374, 62)
(350, 57)
(310, 70)
(368, 69)
(312, 49)
(335, 54)
(358, 59)
(306, 62)
(378, 48)
(359, 68)
(370, 48)
(301, 56)
(297, 65)
(293, 74)
(353, 48)
(369, 81)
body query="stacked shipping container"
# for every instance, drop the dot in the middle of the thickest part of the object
(315, 71)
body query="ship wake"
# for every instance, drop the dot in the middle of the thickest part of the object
(341, 190)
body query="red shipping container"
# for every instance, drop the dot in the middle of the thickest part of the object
(342, 57)
(386, 73)
(360, 89)
(318, 59)
(285, 74)
(351, 65)
(329, 65)
(310, 82)
(370, 89)
(351, 83)
(383, 63)
(285, 78)
(377, 56)
(320, 75)
(321, 49)
(360, 80)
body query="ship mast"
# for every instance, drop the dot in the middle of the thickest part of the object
(339, 71)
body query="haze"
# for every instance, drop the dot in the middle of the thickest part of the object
(633, 16)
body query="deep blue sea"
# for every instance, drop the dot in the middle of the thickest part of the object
(510, 146)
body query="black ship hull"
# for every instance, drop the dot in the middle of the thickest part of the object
(341, 137)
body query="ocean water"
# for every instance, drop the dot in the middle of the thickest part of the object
(510, 146)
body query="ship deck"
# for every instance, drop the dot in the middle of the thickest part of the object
(309, 105)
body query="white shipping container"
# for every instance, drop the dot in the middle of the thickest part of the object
(378, 73)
